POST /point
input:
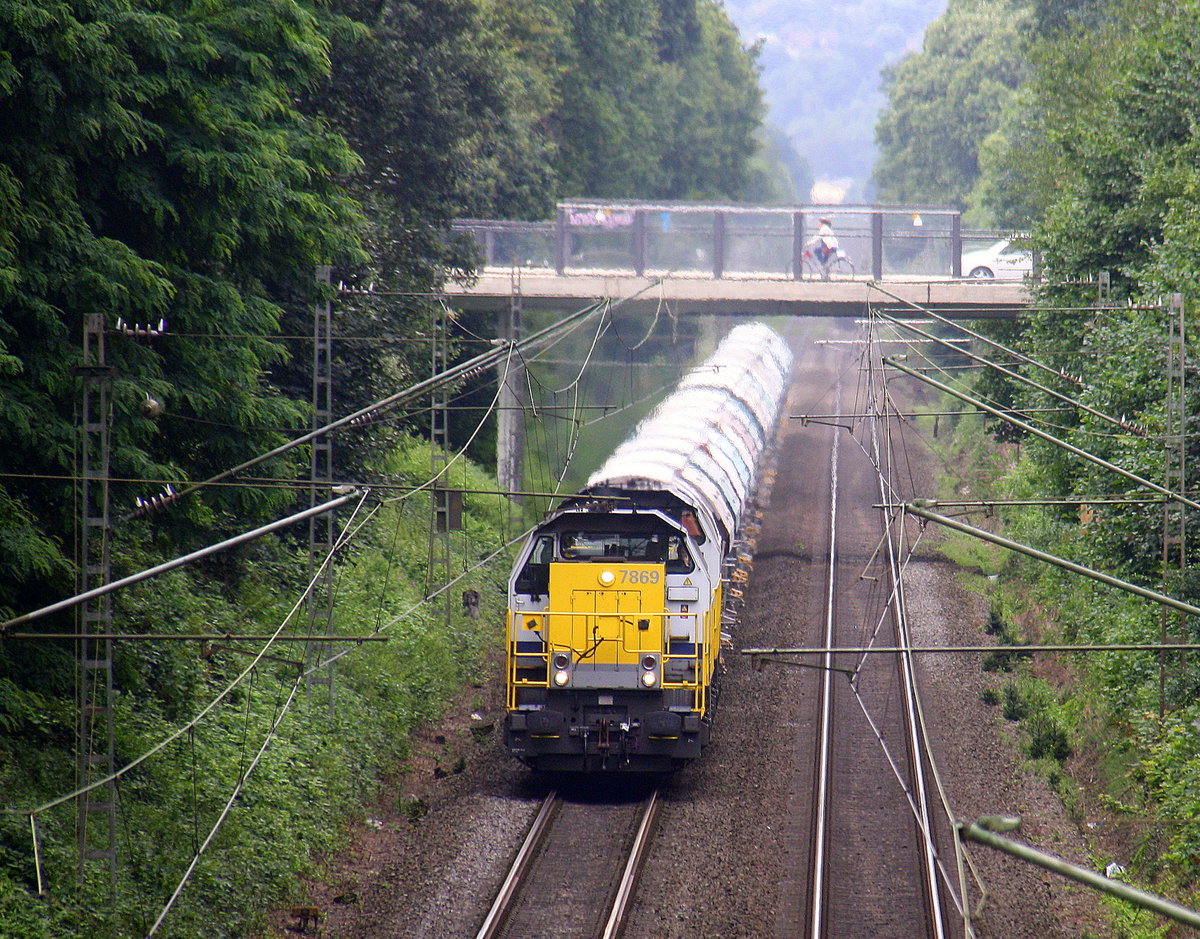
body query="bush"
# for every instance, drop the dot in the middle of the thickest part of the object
(1047, 737)
(1016, 707)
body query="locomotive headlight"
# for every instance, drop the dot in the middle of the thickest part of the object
(562, 661)
(561, 677)
(607, 578)
(649, 661)
(649, 679)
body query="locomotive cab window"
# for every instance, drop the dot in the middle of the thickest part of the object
(679, 559)
(660, 547)
(535, 575)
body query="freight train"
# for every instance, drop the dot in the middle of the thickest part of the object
(616, 600)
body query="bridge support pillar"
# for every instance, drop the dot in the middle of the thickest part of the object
(510, 422)
(877, 245)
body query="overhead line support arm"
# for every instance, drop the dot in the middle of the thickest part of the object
(982, 338)
(1050, 438)
(920, 512)
(1066, 399)
(479, 363)
(179, 561)
(982, 832)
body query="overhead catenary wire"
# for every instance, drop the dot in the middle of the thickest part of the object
(285, 707)
(920, 511)
(77, 599)
(472, 366)
(1059, 373)
(244, 774)
(889, 506)
(1066, 399)
(262, 656)
(1049, 438)
(314, 667)
(895, 601)
(220, 696)
(918, 734)
(1129, 428)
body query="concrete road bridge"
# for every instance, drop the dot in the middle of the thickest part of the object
(733, 259)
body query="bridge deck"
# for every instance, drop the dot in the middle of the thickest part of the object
(740, 295)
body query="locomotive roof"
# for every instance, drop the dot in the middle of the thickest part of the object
(704, 442)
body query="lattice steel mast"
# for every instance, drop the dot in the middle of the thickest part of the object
(96, 818)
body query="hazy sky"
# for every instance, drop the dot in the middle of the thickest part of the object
(821, 65)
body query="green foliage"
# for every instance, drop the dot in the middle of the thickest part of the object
(1133, 922)
(196, 162)
(1006, 658)
(1097, 151)
(321, 764)
(1032, 702)
(944, 101)
(153, 164)
(656, 100)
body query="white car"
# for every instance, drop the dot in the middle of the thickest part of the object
(1002, 260)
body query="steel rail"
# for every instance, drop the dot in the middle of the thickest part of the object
(760, 653)
(821, 789)
(633, 867)
(520, 867)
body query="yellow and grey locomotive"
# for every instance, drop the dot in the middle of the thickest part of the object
(616, 599)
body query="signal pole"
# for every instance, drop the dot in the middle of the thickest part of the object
(1174, 515)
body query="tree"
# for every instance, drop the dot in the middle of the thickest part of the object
(944, 101)
(657, 101)
(153, 165)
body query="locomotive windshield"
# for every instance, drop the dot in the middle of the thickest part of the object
(636, 547)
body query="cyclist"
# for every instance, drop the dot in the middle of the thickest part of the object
(824, 244)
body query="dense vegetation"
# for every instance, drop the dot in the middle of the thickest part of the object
(195, 163)
(1094, 149)
(945, 103)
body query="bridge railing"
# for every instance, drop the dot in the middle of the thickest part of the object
(727, 241)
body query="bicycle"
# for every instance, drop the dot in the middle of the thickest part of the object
(838, 264)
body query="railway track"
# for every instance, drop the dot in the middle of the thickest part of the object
(864, 855)
(575, 873)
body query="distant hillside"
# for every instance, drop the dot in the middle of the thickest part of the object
(820, 70)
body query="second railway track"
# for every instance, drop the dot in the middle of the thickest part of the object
(862, 864)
